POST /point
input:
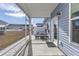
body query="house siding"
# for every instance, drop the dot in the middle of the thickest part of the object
(63, 30)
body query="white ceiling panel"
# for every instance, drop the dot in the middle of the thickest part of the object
(38, 9)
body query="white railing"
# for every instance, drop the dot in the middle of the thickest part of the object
(16, 49)
(22, 51)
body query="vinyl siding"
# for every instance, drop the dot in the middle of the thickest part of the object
(67, 47)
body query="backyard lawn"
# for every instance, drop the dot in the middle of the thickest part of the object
(10, 37)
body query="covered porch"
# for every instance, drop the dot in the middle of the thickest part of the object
(37, 46)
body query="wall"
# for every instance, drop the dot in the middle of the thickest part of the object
(63, 21)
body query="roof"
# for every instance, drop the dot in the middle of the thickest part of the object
(37, 9)
(3, 22)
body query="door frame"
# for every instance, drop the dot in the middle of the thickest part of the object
(52, 29)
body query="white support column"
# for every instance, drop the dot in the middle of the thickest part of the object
(52, 30)
(30, 43)
(29, 28)
(25, 27)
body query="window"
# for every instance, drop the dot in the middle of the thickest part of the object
(74, 10)
(75, 30)
(75, 22)
(2, 28)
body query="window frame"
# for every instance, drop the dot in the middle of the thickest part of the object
(70, 26)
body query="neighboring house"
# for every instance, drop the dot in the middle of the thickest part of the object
(19, 27)
(15, 27)
(3, 26)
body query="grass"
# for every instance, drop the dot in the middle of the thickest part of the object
(10, 37)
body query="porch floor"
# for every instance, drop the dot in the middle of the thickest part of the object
(44, 48)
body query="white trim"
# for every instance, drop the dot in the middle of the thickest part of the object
(30, 34)
(75, 18)
(53, 19)
(69, 22)
(70, 26)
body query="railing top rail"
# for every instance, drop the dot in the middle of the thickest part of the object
(4, 51)
(20, 50)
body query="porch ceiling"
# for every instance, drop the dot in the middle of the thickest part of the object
(37, 9)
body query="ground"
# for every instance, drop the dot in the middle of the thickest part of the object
(10, 37)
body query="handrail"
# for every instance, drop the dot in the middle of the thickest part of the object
(3, 53)
(23, 48)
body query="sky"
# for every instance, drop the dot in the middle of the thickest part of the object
(12, 14)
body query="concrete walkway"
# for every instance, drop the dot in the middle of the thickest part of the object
(40, 48)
